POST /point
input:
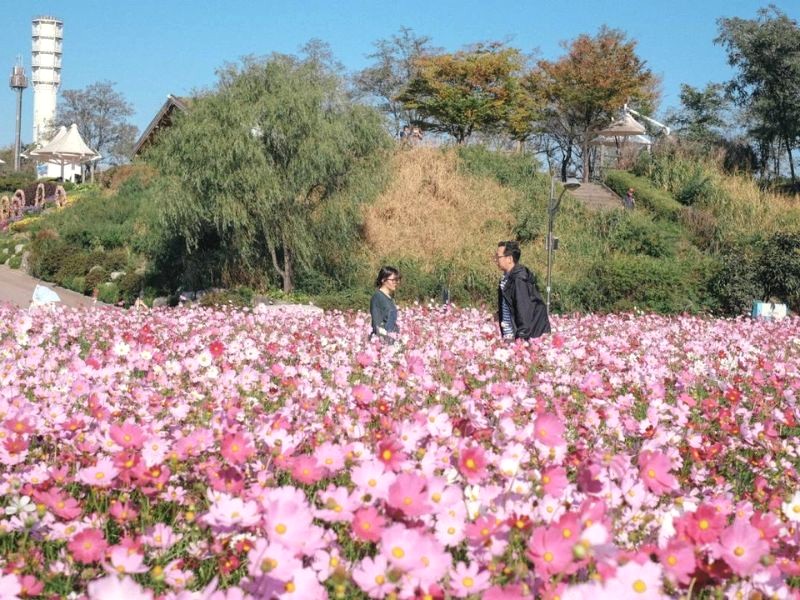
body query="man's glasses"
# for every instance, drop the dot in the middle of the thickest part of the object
(394, 279)
(497, 257)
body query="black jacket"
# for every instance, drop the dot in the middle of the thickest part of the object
(528, 310)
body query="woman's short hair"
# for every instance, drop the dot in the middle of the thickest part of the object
(384, 274)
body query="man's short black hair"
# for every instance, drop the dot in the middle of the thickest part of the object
(512, 249)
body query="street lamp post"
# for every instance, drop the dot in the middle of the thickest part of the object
(552, 207)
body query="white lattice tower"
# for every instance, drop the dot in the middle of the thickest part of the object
(48, 33)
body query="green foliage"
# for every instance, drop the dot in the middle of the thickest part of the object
(764, 52)
(109, 293)
(735, 283)
(251, 166)
(11, 182)
(638, 233)
(623, 282)
(702, 114)
(661, 203)
(130, 285)
(15, 261)
(779, 268)
(238, 296)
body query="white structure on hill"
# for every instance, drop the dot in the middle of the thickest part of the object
(47, 36)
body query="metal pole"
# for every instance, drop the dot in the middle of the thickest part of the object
(550, 239)
(17, 141)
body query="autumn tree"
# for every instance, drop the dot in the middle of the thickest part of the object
(766, 55)
(392, 69)
(473, 90)
(588, 86)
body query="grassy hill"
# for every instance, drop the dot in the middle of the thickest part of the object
(698, 241)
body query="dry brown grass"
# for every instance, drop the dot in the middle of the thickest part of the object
(432, 213)
(744, 209)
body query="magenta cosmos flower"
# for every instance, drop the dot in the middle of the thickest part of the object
(654, 470)
(88, 546)
(742, 547)
(236, 448)
(549, 550)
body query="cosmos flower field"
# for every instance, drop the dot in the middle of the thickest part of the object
(227, 454)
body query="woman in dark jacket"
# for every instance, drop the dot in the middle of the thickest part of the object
(382, 308)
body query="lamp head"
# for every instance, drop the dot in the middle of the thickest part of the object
(572, 183)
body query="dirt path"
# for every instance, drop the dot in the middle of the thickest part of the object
(17, 287)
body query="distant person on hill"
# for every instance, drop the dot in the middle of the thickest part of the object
(629, 201)
(382, 308)
(521, 312)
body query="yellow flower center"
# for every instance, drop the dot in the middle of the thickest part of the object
(268, 564)
(545, 479)
(99, 475)
(451, 530)
(639, 586)
(387, 454)
(467, 582)
(548, 557)
(738, 551)
(566, 532)
(290, 587)
(397, 552)
(372, 483)
(380, 579)
(280, 528)
(365, 525)
(703, 524)
(470, 463)
(436, 496)
(672, 560)
(407, 500)
(651, 473)
(234, 447)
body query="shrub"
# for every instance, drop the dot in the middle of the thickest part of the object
(75, 264)
(96, 276)
(636, 233)
(76, 284)
(623, 282)
(130, 286)
(238, 296)
(109, 293)
(12, 182)
(779, 268)
(734, 284)
(15, 261)
(647, 196)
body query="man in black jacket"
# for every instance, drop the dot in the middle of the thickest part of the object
(520, 308)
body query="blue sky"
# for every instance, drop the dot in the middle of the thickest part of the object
(151, 48)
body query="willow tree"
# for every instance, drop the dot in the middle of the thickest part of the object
(250, 168)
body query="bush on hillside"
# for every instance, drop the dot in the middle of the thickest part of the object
(735, 283)
(637, 233)
(779, 268)
(647, 196)
(622, 282)
(11, 182)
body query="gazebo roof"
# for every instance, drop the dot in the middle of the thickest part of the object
(627, 125)
(67, 144)
(611, 140)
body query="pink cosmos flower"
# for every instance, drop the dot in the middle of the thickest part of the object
(372, 576)
(30, 586)
(509, 592)
(390, 453)
(115, 587)
(554, 481)
(372, 478)
(550, 551)
(10, 586)
(367, 524)
(399, 545)
(472, 463)
(60, 503)
(466, 580)
(678, 561)
(88, 546)
(127, 435)
(654, 470)
(408, 495)
(101, 474)
(742, 547)
(330, 456)
(271, 559)
(229, 513)
(122, 512)
(125, 560)
(306, 470)
(236, 448)
(705, 524)
(549, 430)
(635, 580)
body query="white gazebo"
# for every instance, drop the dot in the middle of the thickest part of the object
(66, 148)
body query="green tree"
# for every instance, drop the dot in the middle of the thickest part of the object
(393, 67)
(468, 91)
(251, 169)
(766, 54)
(101, 114)
(588, 86)
(702, 114)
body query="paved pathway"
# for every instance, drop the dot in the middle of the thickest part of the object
(597, 197)
(16, 287)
